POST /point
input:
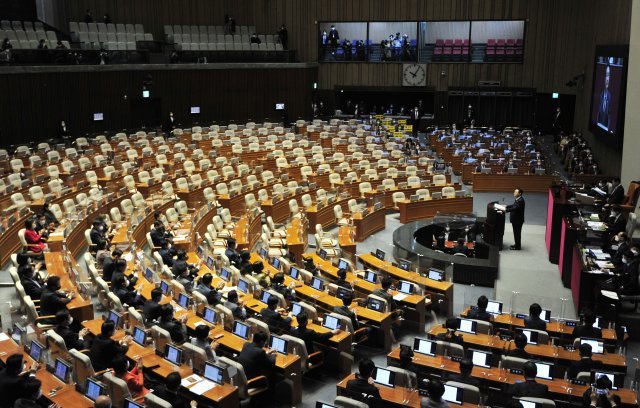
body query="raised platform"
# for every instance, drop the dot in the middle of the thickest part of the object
(481, 270)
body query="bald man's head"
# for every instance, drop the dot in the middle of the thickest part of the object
(103, 401)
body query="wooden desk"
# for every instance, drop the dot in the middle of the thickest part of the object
(414, 305)
(347, 239)
(297, 237)
(81, 309)
(414, 211)
(392, 397)
(66, 396)
(548, 352)
(325, 215)
(496, 377)
(369, 224)
(441, 292)
(247, 232)
(507, 182)
(553, 328)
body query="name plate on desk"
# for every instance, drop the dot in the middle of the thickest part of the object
(365, 212)
(320, 205)
(276, 199)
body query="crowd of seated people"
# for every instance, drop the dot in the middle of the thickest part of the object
(577, 155)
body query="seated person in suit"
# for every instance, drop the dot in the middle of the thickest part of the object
(126, 295)
(158, 234)
(176, 328)
(13, 377)
(118, 272)
(102, 253)
(180, 265)
(533, 321)
(537, 165)
(167, 253)
(231, 252)
(450, 335)
(509, 165)
(603, 399)
(31, 281)
(256, 361)
(466, 366)
(626, 281)
(109, 265)
(362, 388)
(617, 192)
(271, 315)
(435, 391)
(201, 340)
(260, 274)
(72, 339)
(345, 310)
(520, 340)
(480, 313)
(133, 378)
(384, 292)
(617, 221)
(104, 349)
(585, 364)
(586, 329)
(53, 299)
(204, 286)
(461, 247)
(277, 284)
(236, 306)
(152, 308)
(310, 336)
(169, 392)
(342, 279)
(186, 279)
(245, 259)
(529, 387)
(97, 233)
(406, 361)
(619, 245)
(481, 166)
(310, 266)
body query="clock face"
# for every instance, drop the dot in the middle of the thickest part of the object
(414, 75)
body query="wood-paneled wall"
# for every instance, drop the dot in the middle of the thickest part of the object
(559, 42)
(32, 104)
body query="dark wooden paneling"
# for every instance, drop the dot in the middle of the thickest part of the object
(222, 94)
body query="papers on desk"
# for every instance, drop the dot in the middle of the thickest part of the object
(596, 225)
(202, 387)
(500, 207)
(399, 297)
(599, 254)
(4, 336)
(604, 264)
(609, 294)
(190, 380)
(599, 191)
(180, 237)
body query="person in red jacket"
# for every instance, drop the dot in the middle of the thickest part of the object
(37, 243)
(133, 378)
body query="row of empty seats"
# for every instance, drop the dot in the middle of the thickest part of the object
(222, 38)
(111, 37)
(21, 25)
(82, 27)
(227, 47)
(170, 30)
(29, 39)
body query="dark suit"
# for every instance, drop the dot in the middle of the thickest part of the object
(108, 267)
(173, 398)
(32, 288)
(179, 267)
(603, 108)
(310, 336)
(103, 350)
(616, 224)
(158, 237)
(361, 390)
(587, 331)
(255, 361)
(151, 310)
(516, 217)
(334, 37)
(176, 330)
(237, 311)
(70, 337)
(479, 314)
(52, 302)
(530, 388)
(10, 388)
(275, 321)
(584, 364)
(617, 195)
(629, 279)
(518, 353)
(344, 310)
(96, 236)
(127, 297)
(167, 256)
(536, 323)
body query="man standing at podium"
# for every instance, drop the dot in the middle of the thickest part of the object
(516, 217)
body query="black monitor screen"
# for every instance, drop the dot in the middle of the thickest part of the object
(213, 373)
(380, 254)
(93, 389)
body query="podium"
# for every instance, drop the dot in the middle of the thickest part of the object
(494, 225)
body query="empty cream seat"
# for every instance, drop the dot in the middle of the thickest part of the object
(182, 184)
(18, 200)
(144, 177)
(294, 208)
(448, 192)
(397, 196)
(129, 183)
(388, 184)
(138, 201)
(423, 193)
(222, 189)
(292, 186)
(364, 187)
(36, 193)
(439, 180)
(92, 178)
(341, 217)
(413, 181)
